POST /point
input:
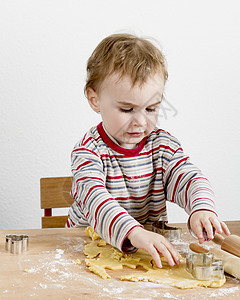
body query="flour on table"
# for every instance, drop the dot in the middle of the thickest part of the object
(168, 295)
(59, 253)
(224, 292)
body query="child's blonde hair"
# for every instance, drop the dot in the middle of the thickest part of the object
(125, 54)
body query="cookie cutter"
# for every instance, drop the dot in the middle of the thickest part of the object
(16, 244)
(203, 266)
(206, 239)
(169, 232)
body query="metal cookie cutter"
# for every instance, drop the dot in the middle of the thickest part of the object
(206, 239)
(169, 232)
(16, 244)
(203, 266)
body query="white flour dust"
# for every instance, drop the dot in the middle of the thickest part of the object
(43, 286)
(76, 245)
(168, 295)
(59, 253)
(55, 269)
(149, 290)
(224, 292)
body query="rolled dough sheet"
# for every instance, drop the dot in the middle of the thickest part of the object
(101, 256)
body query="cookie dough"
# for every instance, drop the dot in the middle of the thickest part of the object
(101, 256)
(91, 233)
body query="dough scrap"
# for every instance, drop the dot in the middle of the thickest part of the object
(91, 233)
(101, 257)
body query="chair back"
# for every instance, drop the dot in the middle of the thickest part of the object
(55, 193)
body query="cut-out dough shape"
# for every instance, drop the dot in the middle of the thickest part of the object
(101, 256)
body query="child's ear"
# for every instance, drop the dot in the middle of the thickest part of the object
(93, 99)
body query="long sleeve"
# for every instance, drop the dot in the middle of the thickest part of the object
(94, 202)
(186, 185)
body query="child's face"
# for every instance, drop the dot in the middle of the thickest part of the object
(128, 113)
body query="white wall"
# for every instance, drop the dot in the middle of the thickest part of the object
(44, 45)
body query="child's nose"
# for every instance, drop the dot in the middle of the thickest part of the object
(139, 119)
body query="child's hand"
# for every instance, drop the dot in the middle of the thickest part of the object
(207, 220)
(155, 244)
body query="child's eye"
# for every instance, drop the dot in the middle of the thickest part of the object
(126, 110)
(149, 109)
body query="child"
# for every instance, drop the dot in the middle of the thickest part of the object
(125, 169)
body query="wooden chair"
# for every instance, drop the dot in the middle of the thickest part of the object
(55, 194)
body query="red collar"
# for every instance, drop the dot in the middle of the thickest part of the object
(113, 146)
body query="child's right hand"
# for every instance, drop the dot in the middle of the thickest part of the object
(155, 244)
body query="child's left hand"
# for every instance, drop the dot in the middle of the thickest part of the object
(204, 219)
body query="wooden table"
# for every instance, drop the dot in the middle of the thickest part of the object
(48, 270)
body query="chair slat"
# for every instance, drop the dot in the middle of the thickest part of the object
(55, 192)
(54, 222)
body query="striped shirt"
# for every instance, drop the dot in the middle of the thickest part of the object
(116, 189)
